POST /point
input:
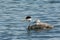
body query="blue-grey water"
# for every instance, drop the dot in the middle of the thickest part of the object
(12, 11)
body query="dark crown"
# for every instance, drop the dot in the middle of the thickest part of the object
(28, 17)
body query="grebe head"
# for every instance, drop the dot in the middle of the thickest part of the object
(28, 18)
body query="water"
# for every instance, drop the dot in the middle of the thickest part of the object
(12, 11)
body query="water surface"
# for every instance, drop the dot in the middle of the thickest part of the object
(12, 11)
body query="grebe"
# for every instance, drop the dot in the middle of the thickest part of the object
(38, 25)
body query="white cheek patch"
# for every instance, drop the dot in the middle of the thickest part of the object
(28, 19)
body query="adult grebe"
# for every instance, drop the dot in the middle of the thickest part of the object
(38, 25)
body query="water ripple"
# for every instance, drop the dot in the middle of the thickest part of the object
(12, 11)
